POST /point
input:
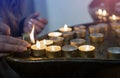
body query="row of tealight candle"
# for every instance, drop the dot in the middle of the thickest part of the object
(64, 43)
(102, 14)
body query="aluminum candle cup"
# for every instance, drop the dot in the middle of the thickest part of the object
(80, 33)
(114, 52)
(97, 37)
(87, 51)
(65, 29)
(117, 32)
(77, 42)
(68, 35)
(46, 42)
(38, 51)
(79, 27)
(94, 29)
(103, 27)
(115, 25)
(57, 40)
(53, 51)
(69, 51)
(54, 34)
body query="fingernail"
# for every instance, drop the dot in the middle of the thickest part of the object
(22, 49)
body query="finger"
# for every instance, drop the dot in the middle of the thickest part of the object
(37, 29)
(11, 48)
(12, 40)
(38, 23)
(4, 29)
(34, 15)
(43, 20)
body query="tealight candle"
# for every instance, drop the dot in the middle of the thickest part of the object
(80, 33)
(53, 51)
(57, 40)
(87, 51)
(97, 37)
(55, 34)
(46, 42)
(103, 27)
(69, 51)
(94, 29)
(38, 49)
(68, 35)
(65, 29)
(117, 32)
(114, 52)
(77, 42)
(114, 18)
(79, 27)
(115, 25)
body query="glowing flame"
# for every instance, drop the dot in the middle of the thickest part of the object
(100, 11)
(104, 13)
(32, 35)
(44, 42)
(38, 45)
(114, 17)
(65, 27)
(87, 48)
(52, 48)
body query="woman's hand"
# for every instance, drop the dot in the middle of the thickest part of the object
(34, 19)
(8, 43)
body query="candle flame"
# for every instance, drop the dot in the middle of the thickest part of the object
(65, 27)
(44, 42)
(100, 11)
(32, 35)
(104, 13)
(53, 49)
(114, 17)
(87, 48)
(38, 44)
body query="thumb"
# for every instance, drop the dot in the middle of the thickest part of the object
(4, 29)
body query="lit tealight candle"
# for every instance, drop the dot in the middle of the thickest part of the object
(46, 42)
(65, 29)
(87, 51)
(38, 49)
(114, 18)
(99, 12)
(53, 51)
(55, 34)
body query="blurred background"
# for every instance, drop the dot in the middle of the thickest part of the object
(60, 12)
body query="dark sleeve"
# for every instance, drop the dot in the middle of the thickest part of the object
(21, 26)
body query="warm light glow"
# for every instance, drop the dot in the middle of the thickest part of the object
(104, 13)
(52, 48)
(65, 27)
(87, 48)
(100, 11)
(32, 35)
(38, 45)
(44, 42)
(114, 17)
(55, 34)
